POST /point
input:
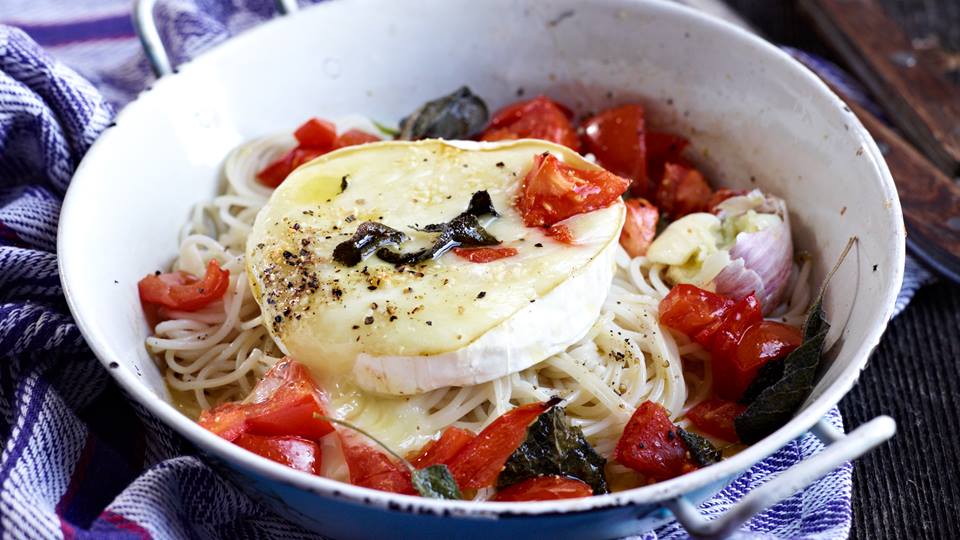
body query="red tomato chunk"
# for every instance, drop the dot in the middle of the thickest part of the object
(286, 402)
(545, 488)
(485, 254)
(371, 468)
(182, 291)
(640, 227)
(294, 452)
(442, 450)
(616, 138)
(651, 446)
(538, 118)
(315, 137)
(553, 191)
(480, 461)
(715, 418)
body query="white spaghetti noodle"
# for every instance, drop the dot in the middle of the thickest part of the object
(218, 354)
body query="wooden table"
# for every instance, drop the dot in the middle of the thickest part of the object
(910, 487)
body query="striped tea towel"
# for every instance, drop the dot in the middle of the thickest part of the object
(79, 460)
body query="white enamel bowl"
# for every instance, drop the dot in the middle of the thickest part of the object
(754, 116)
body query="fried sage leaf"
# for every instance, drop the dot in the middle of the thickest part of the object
(554, 447)
(435, 482)
(701, 450)
(789, 384)
(458, 115)
(369, 237)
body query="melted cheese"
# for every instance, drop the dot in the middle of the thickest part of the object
(444, 322)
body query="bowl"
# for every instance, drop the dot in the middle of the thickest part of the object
(756, 118)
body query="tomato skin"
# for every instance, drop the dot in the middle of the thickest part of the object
(545, 488)
(760, 343)
(286, 403)
(485, 254)
(371, 468)
(729, 381)
(640, 227)
(354, 137)
(443, 449)
(316, 133)
(538, 118)
(682, 191)
(715, 418)
(228, 421)
(315, 137)
(694, 311)
(481, 460)
(651, 446)
(294, 452)
(553, 191)
(182, 291)
(560, 233)
(616, 137)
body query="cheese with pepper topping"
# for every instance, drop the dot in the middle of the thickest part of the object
(442, 322)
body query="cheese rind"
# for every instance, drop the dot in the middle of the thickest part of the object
(445, 322)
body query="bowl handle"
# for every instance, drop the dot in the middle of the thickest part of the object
(839, 449)
(146, 27)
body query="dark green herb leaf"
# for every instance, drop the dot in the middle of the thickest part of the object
(554, 447)
(767, 375)
(701, 450)
(459, 115)
(779, 390)
(775, 405)
(369, 237)
(436, 482)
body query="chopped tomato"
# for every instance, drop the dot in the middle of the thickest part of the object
(481, 460)
(759, 344)
(354, 137)
(694, 311)
(373, 469)
(651, 446)
(228, 421)
(291, 408)
(729, 381)
(561, 233)
(616, 137)
(485, 254)
(443, 449)
(538, 118)
(315, 137)
(663, 148)
(294, 452)
(545, 488)
(715, 418)
(682, 191)
(721, 195)
(316, 133)
(182, 291)
(640, 227)
(553, 191)
(285, 402)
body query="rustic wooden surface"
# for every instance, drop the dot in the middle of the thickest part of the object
(916, 95)
(910, 487)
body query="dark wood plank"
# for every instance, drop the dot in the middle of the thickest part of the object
(920, 100)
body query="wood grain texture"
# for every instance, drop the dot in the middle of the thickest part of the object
(920, 100)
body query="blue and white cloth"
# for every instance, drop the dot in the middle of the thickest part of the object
(79, 460)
